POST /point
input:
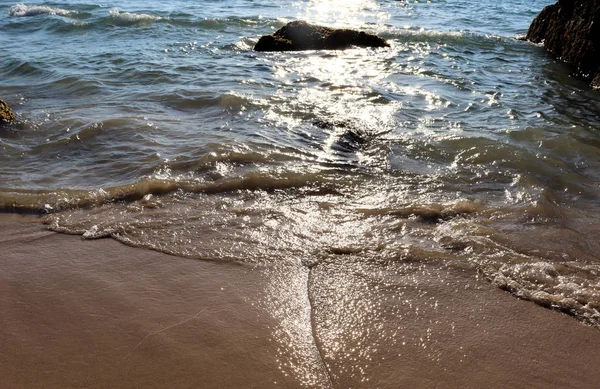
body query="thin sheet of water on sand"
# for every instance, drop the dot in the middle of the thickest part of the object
(100, 314)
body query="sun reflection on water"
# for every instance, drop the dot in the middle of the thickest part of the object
(341, 13)
(341, 90)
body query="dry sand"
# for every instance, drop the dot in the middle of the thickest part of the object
(99, 314)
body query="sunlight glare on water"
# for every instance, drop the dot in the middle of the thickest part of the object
(342, 13)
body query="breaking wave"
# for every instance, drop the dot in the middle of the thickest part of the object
(126, 18)
(19, 10)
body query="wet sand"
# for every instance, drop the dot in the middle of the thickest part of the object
(98, 314)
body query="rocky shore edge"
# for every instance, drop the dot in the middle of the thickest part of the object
(570, 31)
(6, 114)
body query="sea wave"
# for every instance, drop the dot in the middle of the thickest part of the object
(184, 100)
(45, 201)
(19, 10)
(127, 18)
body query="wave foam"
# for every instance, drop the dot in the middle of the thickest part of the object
(33, 10)
(127, 17)
(569, 287)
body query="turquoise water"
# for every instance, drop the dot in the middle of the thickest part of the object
(459, 146)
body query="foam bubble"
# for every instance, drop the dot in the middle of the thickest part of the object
(19, 10)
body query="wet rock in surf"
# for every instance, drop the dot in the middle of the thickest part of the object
(299, 35)
(350, 140)
(570, 30)
(6, 114)
(328, 124)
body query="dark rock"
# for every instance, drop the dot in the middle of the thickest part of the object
(299, 35)
(570, 30)
(350, 140)
(327, 124)
(6, 114)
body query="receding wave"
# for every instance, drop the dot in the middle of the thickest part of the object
(524, 257)
(314, 223)
(20, 10)
(571, 287)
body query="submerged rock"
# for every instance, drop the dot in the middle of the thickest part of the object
(299, 35)
(328, 124)
(350, 140)
(570, 30)
(6, 114)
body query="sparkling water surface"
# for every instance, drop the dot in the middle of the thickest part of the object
(459, 147)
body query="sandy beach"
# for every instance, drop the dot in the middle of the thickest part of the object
(99, 314)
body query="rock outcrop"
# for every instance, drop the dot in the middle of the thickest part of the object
(299, 35)
(6, 114)
(570, 30)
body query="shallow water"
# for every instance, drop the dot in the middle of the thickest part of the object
(458, 147)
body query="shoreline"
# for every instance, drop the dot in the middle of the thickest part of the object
(100, 314)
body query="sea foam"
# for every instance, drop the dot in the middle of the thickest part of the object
(127, 17)
(33, 10)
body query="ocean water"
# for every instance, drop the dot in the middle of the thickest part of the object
(459, 147)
